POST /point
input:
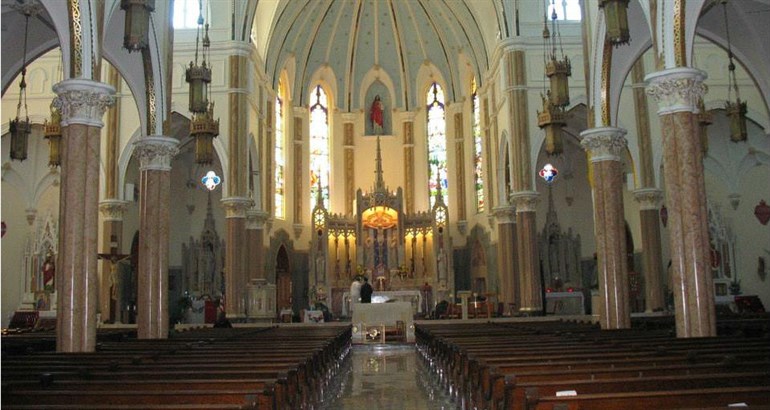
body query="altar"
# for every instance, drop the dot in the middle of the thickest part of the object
(413, 297)
(369, 316)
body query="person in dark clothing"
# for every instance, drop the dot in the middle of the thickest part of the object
(222, 321)
(366, 292)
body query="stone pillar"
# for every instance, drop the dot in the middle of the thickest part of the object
(255, 233)
(531, 286)
(349, 149)
(155, 154)
(299, 175)
(82, 104)
(236, 254)
(112, 234)
(605, 146)
(409, 161)
(677, 91)
(506, 259)
(460, 166)
(649, 204)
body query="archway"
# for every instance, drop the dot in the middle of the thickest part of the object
(283, 281)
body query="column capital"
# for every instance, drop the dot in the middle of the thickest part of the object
(525, 201)
(505, 214)
(408, 116)
(648, 198)
(236, 206)
(256, 219)
(31, 214)
(677, 89)
(112, 209)
(349, 116)
(604, 143)
(83, 101)
(155, 152)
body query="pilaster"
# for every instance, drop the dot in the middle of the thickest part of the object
(530, 291)
(649, 200)
(236, 255)
(506, 258)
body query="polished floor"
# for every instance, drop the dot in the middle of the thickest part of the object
(385, 377)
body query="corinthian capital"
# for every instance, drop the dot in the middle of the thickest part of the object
(604, 143)
(155, 152)
(677, 89)
(648, 198)
(82, 101)
(525, 201)
(112, 209)
(236, 206)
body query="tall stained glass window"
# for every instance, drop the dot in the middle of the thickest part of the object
(478, 177)
(437, 154)
(319, 146)
(280, 156)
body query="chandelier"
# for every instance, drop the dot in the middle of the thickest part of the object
(203, 127)
(616, 18)
(53, 134)
(736, 110)
(557, 66)
(21, 128)
(137, 23)
(552, 119)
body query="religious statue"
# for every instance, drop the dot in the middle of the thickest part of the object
(49, 272)
(376, 115)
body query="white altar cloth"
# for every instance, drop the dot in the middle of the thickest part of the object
(410, 296)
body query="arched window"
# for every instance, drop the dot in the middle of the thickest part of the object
(478, 177)
(437, 168)
(319, 146)
(280, 156)
(565, 9)
(186, 13)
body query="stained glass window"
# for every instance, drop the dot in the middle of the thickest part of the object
(280, 156)
(437, 154)
(478, 177)
(319, 146)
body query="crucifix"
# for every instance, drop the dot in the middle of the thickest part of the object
(113, 258)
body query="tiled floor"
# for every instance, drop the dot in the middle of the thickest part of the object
(384, 377)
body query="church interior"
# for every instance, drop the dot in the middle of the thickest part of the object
(581, 169)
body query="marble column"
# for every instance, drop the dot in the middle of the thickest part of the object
(506, 258)
(112, 234)
(255, 235)
(155, 154)
(530, 283)
(82, 104)
(236, 254)
(677, 91)
(650, 200)
(409, 161)
(349, 149)
(605, 146)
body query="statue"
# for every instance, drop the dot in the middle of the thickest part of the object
(49, 272)
(376, 115)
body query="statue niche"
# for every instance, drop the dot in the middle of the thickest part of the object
(203, 261)
(559, 252)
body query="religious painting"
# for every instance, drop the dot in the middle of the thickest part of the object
(378, 108)
(42, 300)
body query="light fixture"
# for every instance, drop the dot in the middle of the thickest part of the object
(616, 20)
(552, 119)
(53, 134)
(704, 120)
(137, 25)
(548, 173)
(736, 111)
(21, 128)
(203, 127)
(557, 67)
(211, 180)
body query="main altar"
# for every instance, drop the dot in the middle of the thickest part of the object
(397, 251)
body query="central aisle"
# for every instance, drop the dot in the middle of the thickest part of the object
(385, 377)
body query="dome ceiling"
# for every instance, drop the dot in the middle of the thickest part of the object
(393, 38)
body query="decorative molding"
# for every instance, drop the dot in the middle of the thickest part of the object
(83, 101)
(31, 214)
(257, 219)
(112, 209)
(505, 214)
(155, 152)
(525, 201)
(462, 227)
(677, 89)
(297, 230)
(649, 199)
(604, 143)
(236, 206)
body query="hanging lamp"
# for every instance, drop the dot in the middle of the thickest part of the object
(616, 20)
(198, 75)
(552, 119)
(704, 120)
(736, 110)
(557, 67)
(137, 24)
(204, 129)
(52, 132)
(20, 127)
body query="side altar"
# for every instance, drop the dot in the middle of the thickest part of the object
(400, 252)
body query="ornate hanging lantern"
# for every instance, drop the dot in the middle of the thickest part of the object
(557, 68)
(53, 135)
(204, 129)
(552, 120)
(704, 120)
(736, 111)
(21, 128)
(137, 23)
(616, 18)
(199, 75)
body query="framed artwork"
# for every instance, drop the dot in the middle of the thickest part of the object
(42, 300)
